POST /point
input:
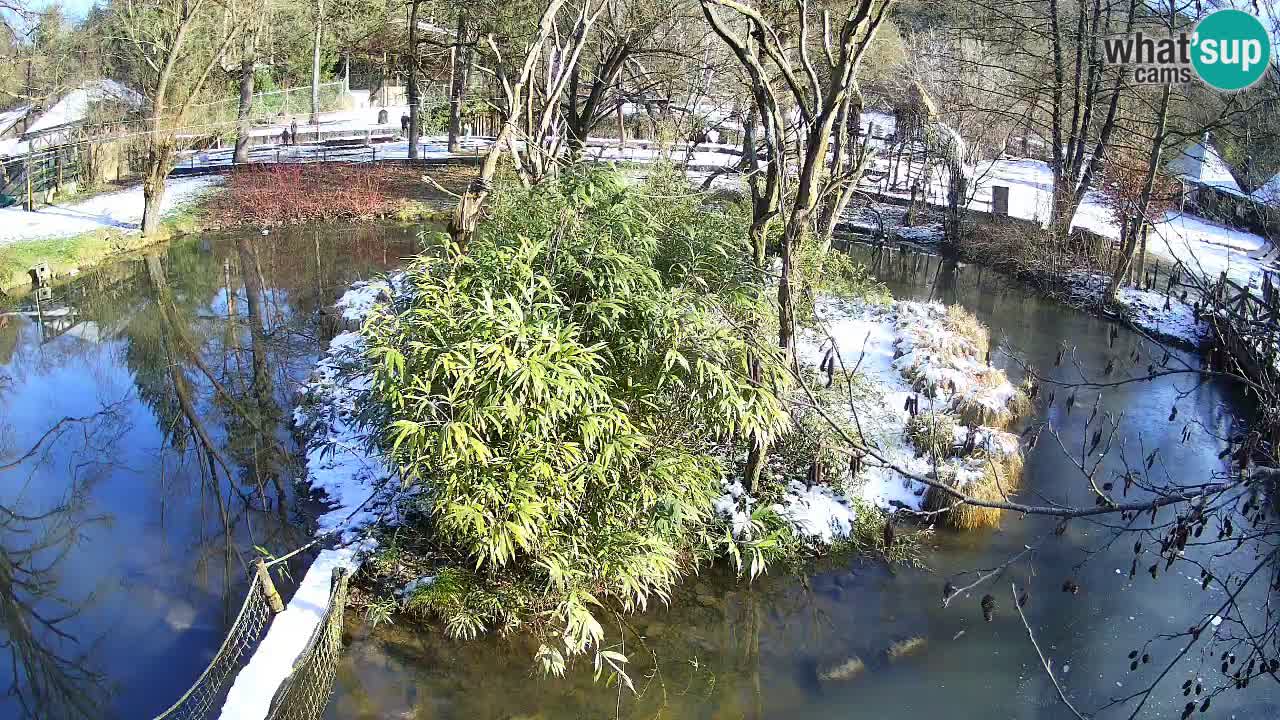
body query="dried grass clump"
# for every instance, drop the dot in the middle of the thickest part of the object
(977, 407)
(903, 648)
(962, 516)
(972, 411)
(933, 433)
(968, 325)
(1021, 404)
(1002, 471)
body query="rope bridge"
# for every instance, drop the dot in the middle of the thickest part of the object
(305, 691)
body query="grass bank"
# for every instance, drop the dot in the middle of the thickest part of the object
(69, 255)
(261, 197)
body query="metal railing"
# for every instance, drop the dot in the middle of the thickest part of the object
(30, 178)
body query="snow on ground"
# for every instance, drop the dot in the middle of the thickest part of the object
(1210, 249)
(1161, 316)
(703, 155)
(886, 346)
(356, 484)
(120, 210)
(1200, 244)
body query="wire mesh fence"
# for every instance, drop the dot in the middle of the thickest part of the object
(305, 692)
(272, 106)
(206, 694)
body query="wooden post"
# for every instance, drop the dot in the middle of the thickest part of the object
(269, 588)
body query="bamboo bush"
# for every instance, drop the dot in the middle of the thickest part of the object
(565, 392)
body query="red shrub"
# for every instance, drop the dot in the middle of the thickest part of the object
(288, 194)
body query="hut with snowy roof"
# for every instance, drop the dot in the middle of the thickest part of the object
(1208, 187)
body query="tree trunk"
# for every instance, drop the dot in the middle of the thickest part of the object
(622, 122)
(315, 65)
(243, 125)
(157, 168)
(415, 118)
(458, 88)
(467, 213)
(1140, 261)
(1130, 239)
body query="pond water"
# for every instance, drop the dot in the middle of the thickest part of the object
(125, 533)
(154, 396)
(729, 649)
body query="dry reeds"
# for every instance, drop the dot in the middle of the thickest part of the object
(967, 325)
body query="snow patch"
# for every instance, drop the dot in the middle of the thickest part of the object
(887, 346)
(1158, 315)
(250, 696)
(359, 486)
(120, 210)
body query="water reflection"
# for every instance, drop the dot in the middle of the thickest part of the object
(787, 645)
(144, 453)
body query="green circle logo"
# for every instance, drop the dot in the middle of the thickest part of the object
(1231, 50)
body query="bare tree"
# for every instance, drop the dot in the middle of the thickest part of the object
(173, 46)
(823, 108)
(315, 61)
(255, 17)
(460, 76)
(415, 101)
(517, 108)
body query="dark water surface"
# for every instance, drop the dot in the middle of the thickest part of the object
(726, 649)
(124, 535)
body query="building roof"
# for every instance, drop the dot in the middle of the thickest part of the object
(1269, 193)
(73, 107)
(9, 118)
(1201, 164)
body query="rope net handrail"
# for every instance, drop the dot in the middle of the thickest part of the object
(304, 694)
(205, 694)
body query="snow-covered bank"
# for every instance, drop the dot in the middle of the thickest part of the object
(1160, 316)
(358, 486)
(120, 210)
(897, 355)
